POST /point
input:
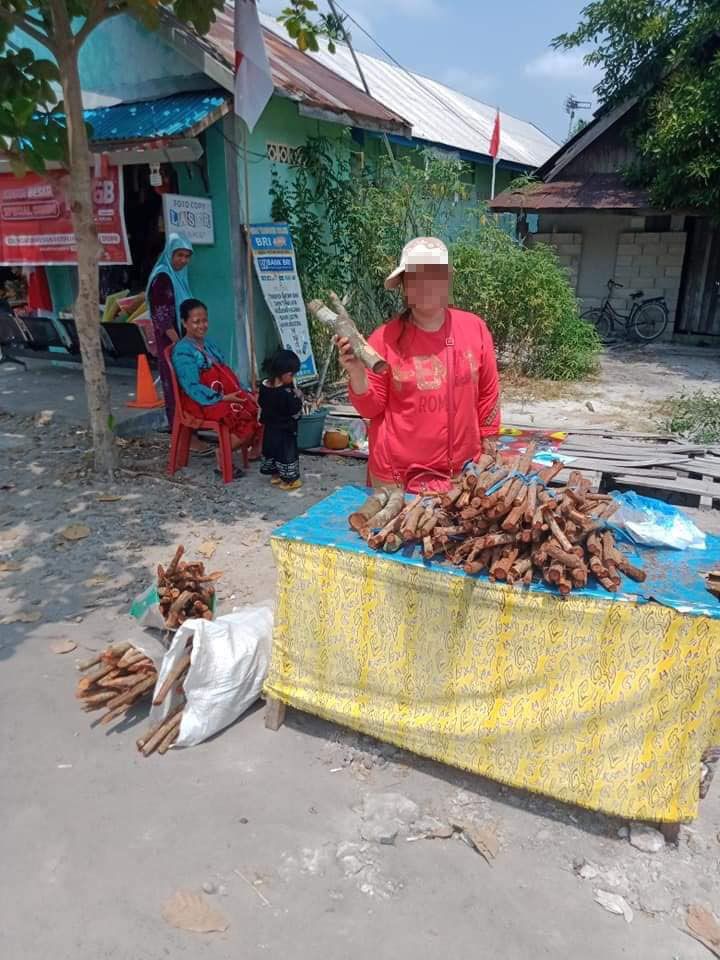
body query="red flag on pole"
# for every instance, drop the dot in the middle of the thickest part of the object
(495, 138)
(253, 79)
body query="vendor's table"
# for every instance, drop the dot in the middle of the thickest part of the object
(603, 701)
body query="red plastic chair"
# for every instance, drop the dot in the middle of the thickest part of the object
(184, 425)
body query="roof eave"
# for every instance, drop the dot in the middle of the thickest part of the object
(195, 49)
(469, 156)
(348, 119)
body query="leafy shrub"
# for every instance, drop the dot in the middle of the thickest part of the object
(524, 295)
(695, 416)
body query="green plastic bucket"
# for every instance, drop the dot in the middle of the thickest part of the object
(311, 427)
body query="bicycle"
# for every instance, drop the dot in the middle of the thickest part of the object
(646, 321)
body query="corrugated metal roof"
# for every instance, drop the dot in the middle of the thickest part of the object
(596, 191)
(174, 116)
(305, 80)
(438, 114)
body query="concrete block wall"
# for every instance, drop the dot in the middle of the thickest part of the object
(651, 262)
(568, 247)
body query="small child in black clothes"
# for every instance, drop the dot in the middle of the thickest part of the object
(280, 409)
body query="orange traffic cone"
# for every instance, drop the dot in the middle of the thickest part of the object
(146, 396)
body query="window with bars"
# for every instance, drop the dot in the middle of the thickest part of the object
(284, 153)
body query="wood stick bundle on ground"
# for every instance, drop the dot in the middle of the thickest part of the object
(163, 734)
(185, 590)
(502, 517)
(115, 680)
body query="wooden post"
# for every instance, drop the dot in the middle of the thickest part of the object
(274, 713)
(240, 279)
(249, 266)
(671, 832)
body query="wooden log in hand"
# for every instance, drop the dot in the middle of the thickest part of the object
(343, 325)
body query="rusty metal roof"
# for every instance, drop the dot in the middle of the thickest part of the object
(595, 191)
(313, 86)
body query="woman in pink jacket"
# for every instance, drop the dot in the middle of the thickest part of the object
(431, 412)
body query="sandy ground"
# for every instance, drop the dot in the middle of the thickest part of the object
(95, 838)
(628, 393)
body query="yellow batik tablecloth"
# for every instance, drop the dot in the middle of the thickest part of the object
(605, 704)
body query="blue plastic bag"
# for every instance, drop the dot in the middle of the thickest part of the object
(654, 523)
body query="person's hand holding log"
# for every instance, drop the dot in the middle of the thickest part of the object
(355, 368)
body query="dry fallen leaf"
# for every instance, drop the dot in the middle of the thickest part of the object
(484, 840)
(25, 616)
(97, 581)
(207, 549)
(75, 531)
(62, 646)
(191, 911)
(614, 903)
(703, 926)
(108, 498)
(9, 566)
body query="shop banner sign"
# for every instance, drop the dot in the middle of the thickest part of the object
(274, 259)
(191, 216)
(36, 225)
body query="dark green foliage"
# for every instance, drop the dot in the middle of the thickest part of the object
(666, 52)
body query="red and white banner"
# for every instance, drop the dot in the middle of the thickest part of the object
(253, 78)
(36, 225)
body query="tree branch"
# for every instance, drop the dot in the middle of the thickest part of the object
(100, 11)
(18, 22)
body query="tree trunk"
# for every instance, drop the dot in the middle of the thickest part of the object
(87, 304)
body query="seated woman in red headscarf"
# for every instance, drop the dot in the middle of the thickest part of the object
(211, 390)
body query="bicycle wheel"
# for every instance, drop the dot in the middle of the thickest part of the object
(650, 321)
(600, 320)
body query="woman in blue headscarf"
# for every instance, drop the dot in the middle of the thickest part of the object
(167, 289)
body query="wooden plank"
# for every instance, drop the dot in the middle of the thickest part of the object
(639, 475)
(613, 467)
(611, 458)
(639, 449)
(680, 485)
(706, 502)
(709, 468)
(633, 453)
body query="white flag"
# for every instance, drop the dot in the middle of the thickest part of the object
(253, 79)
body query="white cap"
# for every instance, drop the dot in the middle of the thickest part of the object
(421, 251)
